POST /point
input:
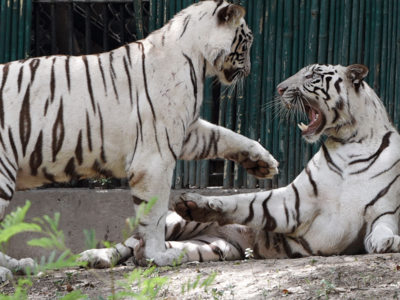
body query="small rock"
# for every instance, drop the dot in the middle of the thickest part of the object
(296, 290)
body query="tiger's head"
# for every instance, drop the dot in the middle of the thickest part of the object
(224, 38)
(333, 98)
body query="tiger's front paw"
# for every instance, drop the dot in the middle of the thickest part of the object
(256, 160)
(195, 207)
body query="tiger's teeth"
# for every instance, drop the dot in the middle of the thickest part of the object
(302, 126)
(316, 116)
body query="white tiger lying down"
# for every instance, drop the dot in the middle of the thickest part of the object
(346, 200)
(131, 112)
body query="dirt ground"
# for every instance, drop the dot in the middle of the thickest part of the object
(339, 277)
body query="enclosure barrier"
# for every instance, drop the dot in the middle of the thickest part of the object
(288, 35)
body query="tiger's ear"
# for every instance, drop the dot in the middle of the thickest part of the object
(231, 14)
(356, 73)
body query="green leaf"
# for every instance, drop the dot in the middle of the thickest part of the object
(43, 242)
(7, 233)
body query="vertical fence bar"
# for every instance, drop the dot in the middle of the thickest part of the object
(70, 28)
(153, 15)
(7, 43)
(288, 133)
(230, 95)
(122, 22)
(344, 58)
(207, 113)
(377, 46)
(295, 68)
(88, 29)
(384, 58)
(14, 30)
(360, 38)
(354, 32)
(53, 32)
(266, 98)
(367, 36)
(269, 55)
(105, 27)
(3, 32)
(370, 46)
(337, 32)
(331, 32)
(391, 57)
(323, 33)
(255, 80)
(21, 30)
(27, 29)
(397, 68)
(137, 6)
(37, 44)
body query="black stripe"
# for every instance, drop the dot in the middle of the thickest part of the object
(139, 116)
(270, 222)
(169, 144)
(330, 161)
(21, 70)
(70, 168)
(186, 22)
(102, 74)
(385, 170)
(200, 256)
(382, 193)
(3, 83)
(78, 149)
(102, 154)
(129, 80)
(88, 132)
(58, 133)
(193, 78)
(381, 215)
(46, 106)
(34, 65)
(14, 149)
(218, 5)
(308, 171)
(128, 54)
(10, 174)
(113, 75)
(251, 213)
(385, 143)
(36, 158)
(137, 200)
(25, 121)
(306, 246)
(67, 73)
(286, 213)
(297, 204)
(89, 82)
(337, 85)
(52, 82)
(195, 228)
(145, 79)
(4, 195)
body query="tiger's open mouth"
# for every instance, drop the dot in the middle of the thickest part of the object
(316, 121)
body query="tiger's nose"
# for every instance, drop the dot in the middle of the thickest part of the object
(281, 90)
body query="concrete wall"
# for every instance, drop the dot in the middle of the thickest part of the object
(103, 210)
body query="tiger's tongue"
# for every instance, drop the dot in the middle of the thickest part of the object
(313, 116)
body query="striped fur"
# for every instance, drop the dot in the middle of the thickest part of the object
(346, 200)
(131, 112)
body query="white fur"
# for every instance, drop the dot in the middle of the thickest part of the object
(353, 206)
(129, 113)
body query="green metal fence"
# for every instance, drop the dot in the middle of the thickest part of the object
(288, 35)
(15, 24)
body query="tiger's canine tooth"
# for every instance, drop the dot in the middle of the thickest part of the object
(302, 126)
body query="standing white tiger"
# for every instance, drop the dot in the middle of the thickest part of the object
(131, 112)
(346, 200)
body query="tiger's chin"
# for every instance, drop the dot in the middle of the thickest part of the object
(316, 126)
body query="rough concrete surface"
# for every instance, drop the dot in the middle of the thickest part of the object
(104, 210)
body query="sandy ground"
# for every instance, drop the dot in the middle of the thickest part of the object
(339, 277)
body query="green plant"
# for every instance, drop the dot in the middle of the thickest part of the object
(147, 282)
(328, 288)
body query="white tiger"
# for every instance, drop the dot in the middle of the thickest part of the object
(131, 112)
(346, 200)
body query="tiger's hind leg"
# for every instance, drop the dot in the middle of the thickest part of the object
(204, 241)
